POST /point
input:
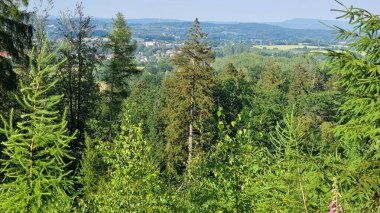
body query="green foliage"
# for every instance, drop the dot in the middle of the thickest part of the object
(311, 79)
(232, 49)
(287, 133)
(358, 129)
(36, 154)
(188, 100)
(15, 38)
(232, 91)
(269, 101)
(92, 170)
(128, 180)
(78, 83)
(294, 179)
(358, 70)
(145, 104)
(16, 33)
(253, 63)
(229, 170)
(119, 69)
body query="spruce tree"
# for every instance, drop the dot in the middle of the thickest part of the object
(358, 130)
(299, 87)
(269, 101)
(120, 68)
(189, 103)
(78, 82)
(15, 30)
(36, 156)
(145, 104)
(15, 38)
(231, 91)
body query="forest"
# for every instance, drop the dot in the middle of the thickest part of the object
(85, 127)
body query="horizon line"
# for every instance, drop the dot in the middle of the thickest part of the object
(211, 21)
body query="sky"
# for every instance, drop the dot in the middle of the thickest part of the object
(214, 10)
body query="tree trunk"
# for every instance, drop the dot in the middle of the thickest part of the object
(190, 145)
(111, 105)
(191, 125)
(80, 86)
(71, 98)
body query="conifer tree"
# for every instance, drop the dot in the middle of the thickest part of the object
(271, 77)
(145, 104)
(36, 152)
(15, 30)
(269, 101)
(15, 38)
(298, 86)
(78, 82)
(91, 176)
(291, 181)
(231, 72)
(120, 67)
(288, 142)
(231, 91)
(39, 21)
(309, 83)
(358, 130)
(189, 105)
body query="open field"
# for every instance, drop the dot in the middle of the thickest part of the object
(286, 47)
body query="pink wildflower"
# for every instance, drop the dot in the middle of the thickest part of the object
(332, 205)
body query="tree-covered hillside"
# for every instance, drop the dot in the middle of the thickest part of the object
(176, 30)
(86, 126)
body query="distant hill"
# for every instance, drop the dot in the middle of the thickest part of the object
(233, 32)
(158, 20)
(314, 24)
(137, 21)
(151, 21)
(176, 30)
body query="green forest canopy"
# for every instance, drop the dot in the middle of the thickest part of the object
(250, 132)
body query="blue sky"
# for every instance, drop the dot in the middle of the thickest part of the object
(215, 10)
